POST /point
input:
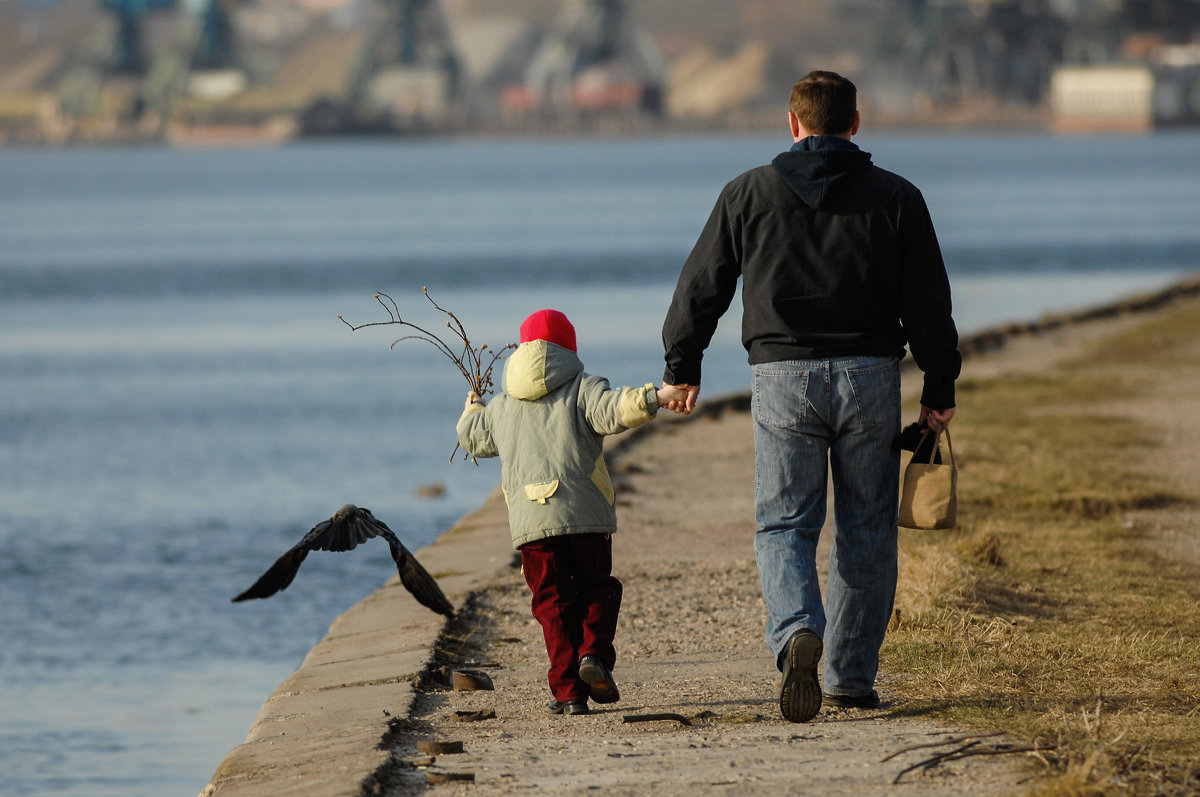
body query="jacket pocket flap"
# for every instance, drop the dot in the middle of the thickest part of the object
(540, 491)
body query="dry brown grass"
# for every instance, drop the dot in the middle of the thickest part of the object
(1047, 612)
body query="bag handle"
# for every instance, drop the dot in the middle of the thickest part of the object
(937, 443)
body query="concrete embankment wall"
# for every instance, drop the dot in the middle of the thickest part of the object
(319, 733)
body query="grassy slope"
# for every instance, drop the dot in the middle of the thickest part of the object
(1048, 613)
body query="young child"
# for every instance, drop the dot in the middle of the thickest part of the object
(547, 426)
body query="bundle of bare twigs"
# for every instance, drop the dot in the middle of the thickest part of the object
(475, 363)
(967, 746)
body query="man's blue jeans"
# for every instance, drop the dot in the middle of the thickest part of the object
(810, 416)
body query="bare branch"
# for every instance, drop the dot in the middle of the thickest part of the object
(963, 751)
(682, 720)
(462, 332)
(394, 311)
(438, 344)
(942, 743)
(469, 359)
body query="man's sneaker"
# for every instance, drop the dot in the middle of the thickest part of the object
(568, 707)
(870, 700)
(604, 687)
(800, 693)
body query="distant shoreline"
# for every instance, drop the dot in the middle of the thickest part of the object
(281, 130)
(994, 337)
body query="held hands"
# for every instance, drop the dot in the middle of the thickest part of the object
(936, 419)
(679, 399)
(669, 396)
(474, 398)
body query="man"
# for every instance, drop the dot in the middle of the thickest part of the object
(841, 268)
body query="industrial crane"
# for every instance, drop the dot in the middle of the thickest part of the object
(214, 40)
(128, 55)
(124, 71)
(408, 65)
(597, 59)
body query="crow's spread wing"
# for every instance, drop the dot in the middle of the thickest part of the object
(416, 579)
(350, 526)
(278, 577)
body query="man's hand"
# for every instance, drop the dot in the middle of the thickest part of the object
(935, 419)
(474, 398)
(681, 398)
(670, 394)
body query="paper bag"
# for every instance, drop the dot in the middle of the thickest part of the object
(929, 493)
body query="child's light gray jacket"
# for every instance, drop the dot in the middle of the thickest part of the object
(547, 427)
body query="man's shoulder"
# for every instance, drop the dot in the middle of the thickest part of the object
(752, 181)
(757, 174)
(882, 178)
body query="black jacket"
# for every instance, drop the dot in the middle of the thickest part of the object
(837, 257)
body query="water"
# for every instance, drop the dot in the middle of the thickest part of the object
(179, 402)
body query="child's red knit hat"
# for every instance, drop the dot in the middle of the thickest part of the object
(549, 325)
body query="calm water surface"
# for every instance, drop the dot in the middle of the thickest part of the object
(179, 402)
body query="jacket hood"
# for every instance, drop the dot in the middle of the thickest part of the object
(539, 367)
(817, 167)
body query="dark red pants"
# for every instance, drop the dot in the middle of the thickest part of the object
(576, 599)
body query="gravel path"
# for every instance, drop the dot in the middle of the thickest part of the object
(690, 644)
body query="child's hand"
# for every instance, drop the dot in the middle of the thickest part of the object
(475, 398)
(674, 398)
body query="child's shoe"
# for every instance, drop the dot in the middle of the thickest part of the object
(597, 676)
(568, 707)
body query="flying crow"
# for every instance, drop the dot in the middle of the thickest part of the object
(348, 527)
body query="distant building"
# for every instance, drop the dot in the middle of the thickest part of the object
(595, 60)
(1133, 97)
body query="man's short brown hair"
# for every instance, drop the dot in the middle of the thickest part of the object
(825, 103)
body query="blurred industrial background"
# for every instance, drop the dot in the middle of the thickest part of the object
(263, 70)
